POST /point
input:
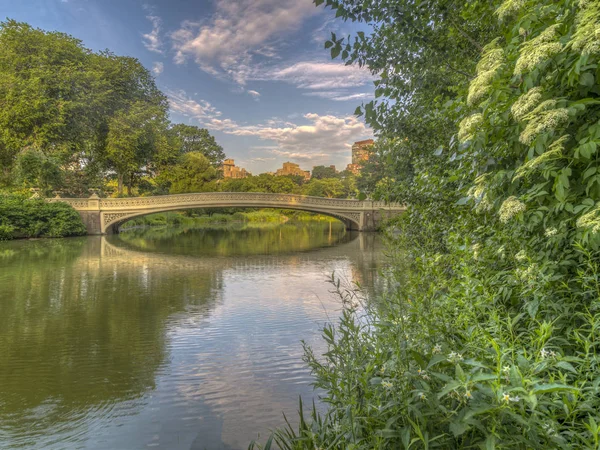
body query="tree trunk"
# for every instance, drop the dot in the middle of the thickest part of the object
(120, 184)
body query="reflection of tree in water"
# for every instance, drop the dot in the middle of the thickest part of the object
(83, 321)
(241, 239)
(78, 331)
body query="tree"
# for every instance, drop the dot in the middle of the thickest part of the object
(43, 93)
(194, 139)
(320, 172)
(327, 187)
(193, 173)
(132, 142)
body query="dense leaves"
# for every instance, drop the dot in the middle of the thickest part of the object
(25, 218)
(487, 336)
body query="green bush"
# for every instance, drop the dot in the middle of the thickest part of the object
(25, 218)
(6, 232)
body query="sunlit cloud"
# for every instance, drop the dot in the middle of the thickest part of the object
(226, 44)
(152, 41)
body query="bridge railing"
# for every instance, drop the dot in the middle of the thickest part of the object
(225, 198)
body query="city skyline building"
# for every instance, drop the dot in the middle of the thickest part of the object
(230, 170)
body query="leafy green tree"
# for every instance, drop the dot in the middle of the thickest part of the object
(194, 139)
(43, 86)
(194, 173)
(132, 142)
(36, 170)
(320, 172)
(327, 187)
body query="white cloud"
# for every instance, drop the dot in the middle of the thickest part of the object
(226, 44)
(254, 94)
(202, 111)
(325, 139)
(152, 41)
(340, 96)
(157, 68)
(322, 75)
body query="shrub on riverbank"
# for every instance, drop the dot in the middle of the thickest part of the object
(488, 334)
(21, 217)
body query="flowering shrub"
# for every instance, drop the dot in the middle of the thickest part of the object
(489, 340)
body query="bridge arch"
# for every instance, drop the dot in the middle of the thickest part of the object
(112, 221)
(101, 216)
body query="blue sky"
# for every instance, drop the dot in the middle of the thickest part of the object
(254, 72)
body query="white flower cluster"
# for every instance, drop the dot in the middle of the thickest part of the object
(528, 274)
(521, 256)
(387, 384)
(468, 126)
(590, 220)
(548, 120)
(487, 68)
(539, 49)
(526, 103)
(547, 354)
(454, 357)
(555, 152)
(586, 38)
(477, 192)
(511, 207)
(507, 398)
(551, 232)
(509, 7)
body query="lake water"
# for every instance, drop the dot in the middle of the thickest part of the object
(167, 338)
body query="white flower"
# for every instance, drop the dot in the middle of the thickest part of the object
(514, 399)
(453, 356)
(542, 122)
(468, 394)
(422, 396)
(505, 397)
(487, 68)
(554, 153)
(521, 256)
(387, 384)
(506, 369)
(437, 348)
(511, 207)
(539, 49)
(468, 126)
(509, 7)
(551, 232)
(526, 103)
(590, 220)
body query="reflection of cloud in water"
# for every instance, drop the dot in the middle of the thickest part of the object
(118, 348)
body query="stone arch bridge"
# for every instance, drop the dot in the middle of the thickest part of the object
(105, 215)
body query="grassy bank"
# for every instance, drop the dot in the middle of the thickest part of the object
(21, 217)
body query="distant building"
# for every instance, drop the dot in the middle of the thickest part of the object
(361, 151)
(231, 171)
(290, 168)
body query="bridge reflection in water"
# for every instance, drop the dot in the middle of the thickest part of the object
(132, 341)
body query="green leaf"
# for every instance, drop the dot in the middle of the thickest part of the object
(553, 387)
(458, 428)
(587, 79)
(566, 366)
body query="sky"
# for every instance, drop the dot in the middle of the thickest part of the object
(253, 72)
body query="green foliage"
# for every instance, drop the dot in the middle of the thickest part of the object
(487, 334)
(193, 173)
(26, 218)
(327, 187)
(194, 139)
(320, 172)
